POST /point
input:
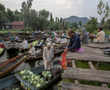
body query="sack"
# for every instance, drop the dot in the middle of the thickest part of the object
(64, 61)
(81, 50)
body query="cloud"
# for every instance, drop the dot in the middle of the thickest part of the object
(59, 8)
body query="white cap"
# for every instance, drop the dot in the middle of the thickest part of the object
(48, 44)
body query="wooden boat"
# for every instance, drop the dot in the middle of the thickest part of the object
(11, 80)
(56, 73)
(8, 66)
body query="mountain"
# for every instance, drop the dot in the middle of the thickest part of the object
(75, 19)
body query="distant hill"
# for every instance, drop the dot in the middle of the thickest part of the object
(75, 19)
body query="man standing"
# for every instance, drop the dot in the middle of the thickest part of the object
(48, 55)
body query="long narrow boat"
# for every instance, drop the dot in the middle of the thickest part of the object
(10, 65)
(11, 80)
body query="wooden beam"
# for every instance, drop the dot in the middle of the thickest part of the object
(90, 75)
(70, 86)
(91, 65)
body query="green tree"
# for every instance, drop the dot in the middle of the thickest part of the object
(92, 25)
(103, 10)
(26, 8)
(10, 15)
(3, 17)
(18, 16)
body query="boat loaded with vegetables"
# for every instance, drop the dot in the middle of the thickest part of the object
(36, 80)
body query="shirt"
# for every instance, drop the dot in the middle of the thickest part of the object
(101, 36)
(74, 42)
(48, 54)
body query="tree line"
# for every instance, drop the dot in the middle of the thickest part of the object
(44, 20)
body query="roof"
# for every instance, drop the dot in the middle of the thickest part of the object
(17, 23)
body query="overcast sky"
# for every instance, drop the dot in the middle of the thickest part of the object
(59, 8)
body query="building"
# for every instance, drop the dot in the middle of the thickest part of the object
(17, 25)
(14, 25)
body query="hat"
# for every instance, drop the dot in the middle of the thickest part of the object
(49, 44)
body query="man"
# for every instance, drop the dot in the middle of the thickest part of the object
(25, 45)
(74, 43)
(100, 36)
(48, 55)
(85, 36)
(32, 51)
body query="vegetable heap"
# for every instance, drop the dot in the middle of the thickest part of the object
(1, 50)
(35, 80)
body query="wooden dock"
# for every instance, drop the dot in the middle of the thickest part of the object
(99, 46)
(89, 55)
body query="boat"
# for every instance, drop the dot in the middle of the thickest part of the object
(56, 76)
(10, 65)
(14, 79)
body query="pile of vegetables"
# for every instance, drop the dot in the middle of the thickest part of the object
(34, 43)
(35, 80)
(1, 50)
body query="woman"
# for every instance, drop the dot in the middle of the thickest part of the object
(48, 55)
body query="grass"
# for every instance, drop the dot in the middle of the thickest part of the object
(108, 85)
(68, 80)
(14, 31)
(102, 66)
(82, 64)
(93, 83)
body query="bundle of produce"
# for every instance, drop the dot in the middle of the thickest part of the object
(32, 81)
(1, 50)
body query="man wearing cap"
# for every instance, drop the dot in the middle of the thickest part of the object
(48, 55)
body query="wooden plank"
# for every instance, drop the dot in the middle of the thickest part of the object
(91, 65)
(93, 59)
(73, 64)
(90, 75)
(70, 86)
(100, 46)
(89, 54)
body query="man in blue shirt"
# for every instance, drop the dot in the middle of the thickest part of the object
(74, 43)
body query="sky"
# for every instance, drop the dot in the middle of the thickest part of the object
(59, 8)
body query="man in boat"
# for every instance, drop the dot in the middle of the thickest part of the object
(32, 51)
(100, 38)
(48, 55)
(25, 45)
(74, 43)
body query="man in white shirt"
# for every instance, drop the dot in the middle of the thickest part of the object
(100, 36)
(48, 55)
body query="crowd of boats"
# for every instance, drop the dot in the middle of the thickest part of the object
(19, 50)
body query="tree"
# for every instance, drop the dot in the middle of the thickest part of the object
(43, 19)
(107, 24)
(18, 16)
(92, 24)
(26, 6)
(3, 17)
(103, 10)
(10, 15)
